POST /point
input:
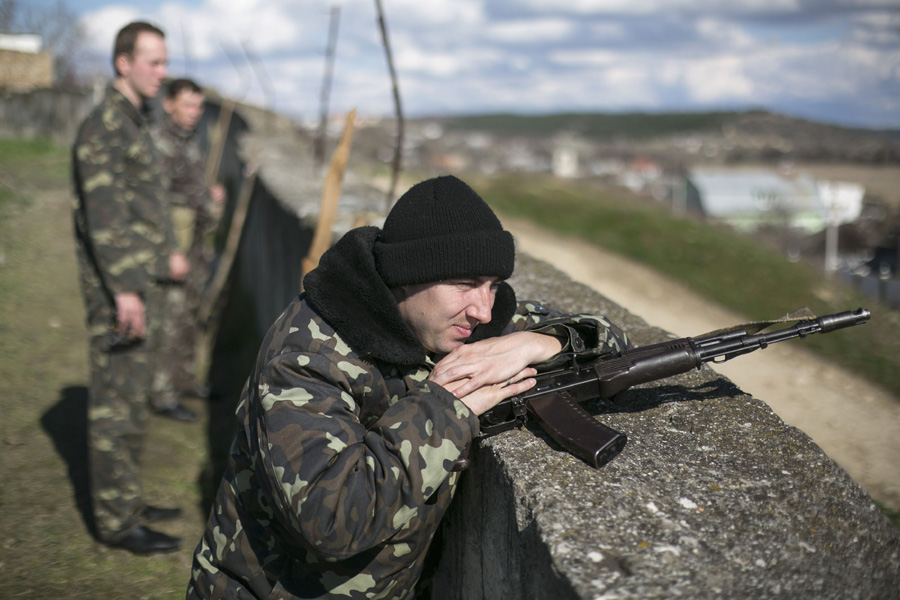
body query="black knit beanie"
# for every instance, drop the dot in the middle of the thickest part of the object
(442, 229)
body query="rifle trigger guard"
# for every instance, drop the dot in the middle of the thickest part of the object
(576, 368)
(519, 409)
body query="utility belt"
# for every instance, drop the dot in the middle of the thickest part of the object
(168, 283)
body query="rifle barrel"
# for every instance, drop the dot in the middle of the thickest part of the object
(731, 346)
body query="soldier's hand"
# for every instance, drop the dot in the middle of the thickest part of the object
(179, 266)
(217, 193)
(493, 361)
(485, 398)
(130, 320)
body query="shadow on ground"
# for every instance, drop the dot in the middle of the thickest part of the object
(66, 424)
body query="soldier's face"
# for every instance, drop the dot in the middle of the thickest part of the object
(185, 109)
(145, 70)
(443, 314)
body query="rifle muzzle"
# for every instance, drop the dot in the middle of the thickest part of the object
(843, 319)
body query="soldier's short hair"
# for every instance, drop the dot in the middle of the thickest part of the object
(127, 38)
(176, 86)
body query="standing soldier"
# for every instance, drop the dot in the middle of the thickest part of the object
(127, 253)
(195, 207)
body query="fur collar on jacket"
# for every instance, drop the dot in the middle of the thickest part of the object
(346, 290)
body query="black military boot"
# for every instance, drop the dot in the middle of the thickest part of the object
(179, 413)
(152, 514)
(141, 540)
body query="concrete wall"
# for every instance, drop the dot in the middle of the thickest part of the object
(22, 71)
(44, 113)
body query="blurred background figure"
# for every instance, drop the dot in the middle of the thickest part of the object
(128, 256)
(196, 207)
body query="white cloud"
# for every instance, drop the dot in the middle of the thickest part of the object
(586, 58)
(269, 26)
(529, 31)
(722, 33)
(439, 64)
(101, 27)
(721, 79)
(460, 14)
(877, 27)
(656, 7)
(606, 31)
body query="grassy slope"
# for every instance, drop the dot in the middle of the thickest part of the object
(724, 266)
(639, 126)
(46, 550)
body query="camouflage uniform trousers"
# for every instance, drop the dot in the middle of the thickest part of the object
(177, 366)
(174, 370)
(117, 422)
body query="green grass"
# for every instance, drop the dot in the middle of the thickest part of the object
(34, 159)
(893, 515)
(46, 549)
(633, 126)
(17, 151)
(27, 166)
(724, 266)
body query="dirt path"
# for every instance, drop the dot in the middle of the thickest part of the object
(854, 422)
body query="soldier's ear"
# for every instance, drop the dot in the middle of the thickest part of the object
(123, 64)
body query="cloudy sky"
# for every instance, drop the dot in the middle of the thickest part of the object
(829, 60)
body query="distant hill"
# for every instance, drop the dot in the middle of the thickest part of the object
(739, 135)
(593, 125)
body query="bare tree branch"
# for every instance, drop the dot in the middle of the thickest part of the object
(398, 148)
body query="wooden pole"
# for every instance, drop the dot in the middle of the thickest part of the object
(398, 148)
(319, 148)
(217, 141)
(211, 298)
(331, 194)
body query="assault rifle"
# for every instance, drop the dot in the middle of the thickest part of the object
(553, 402)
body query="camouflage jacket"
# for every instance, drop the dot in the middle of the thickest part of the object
(343, 464)
(122, 218)
(184, 162)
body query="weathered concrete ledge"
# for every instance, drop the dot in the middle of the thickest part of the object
(713, 497)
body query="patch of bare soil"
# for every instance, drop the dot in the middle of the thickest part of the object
(854, 422)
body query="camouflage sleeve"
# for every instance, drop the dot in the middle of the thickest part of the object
(184, 164)
(583, 334)
(127, 218)
(192, 181)
(340, 487)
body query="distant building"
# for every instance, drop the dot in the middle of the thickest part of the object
(841, 201)
(21, 42)
(565, 161)
(23, 64)
(567, 153)
(639, 174)
(749, 199)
